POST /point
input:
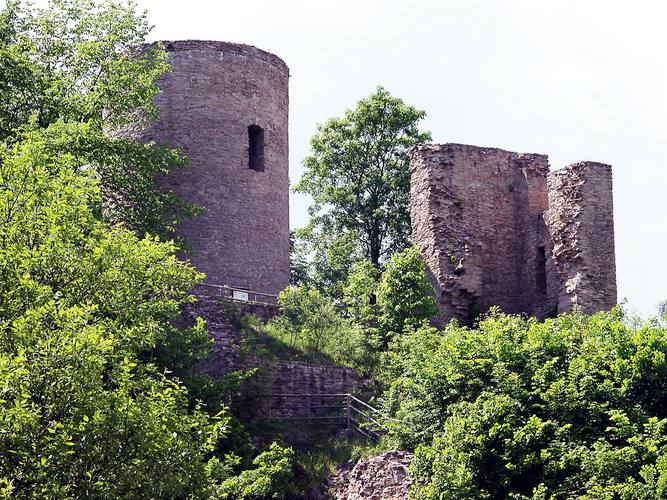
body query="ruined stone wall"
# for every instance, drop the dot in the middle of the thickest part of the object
(213, 94)
(283, 388)
(581, 225)
(478, 218)
(281, 379)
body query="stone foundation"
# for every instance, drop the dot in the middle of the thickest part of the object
(279, 379)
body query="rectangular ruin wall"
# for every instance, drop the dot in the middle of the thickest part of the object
(581, 227)
(478, 218)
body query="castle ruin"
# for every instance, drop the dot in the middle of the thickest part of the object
(497, 228)
(494, 227)
(226, 106)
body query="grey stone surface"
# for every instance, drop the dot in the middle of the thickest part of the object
(384, 477)
(581, 226)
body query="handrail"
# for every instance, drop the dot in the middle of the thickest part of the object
(369, 422)
(228, 291)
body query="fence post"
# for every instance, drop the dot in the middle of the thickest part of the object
(309, 403)
(348, 402)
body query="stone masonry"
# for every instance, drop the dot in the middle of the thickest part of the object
(497, 228)
(226, 106)
(581, 223)
(282, 379)
(383, 477)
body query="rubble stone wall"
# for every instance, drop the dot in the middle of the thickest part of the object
(383, 477)
(215, 91)
(581, 225)
(280, 379)
(478, 218)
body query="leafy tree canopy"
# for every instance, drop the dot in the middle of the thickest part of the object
(358, 176)
(405, 295)
(574, 406)
(89, 406)
(81, 62)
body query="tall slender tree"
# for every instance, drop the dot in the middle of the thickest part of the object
(357, 174)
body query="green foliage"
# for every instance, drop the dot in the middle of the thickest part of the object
(405, 295)
(80, 307)
(91, 404)
(74, 71)
(325, 261)
(80, 415)
(375, 307)
(270, 477)
(311, 328)
(309, 317)
(571, 407)
(358, 176)
(360, 293)
(299, 268)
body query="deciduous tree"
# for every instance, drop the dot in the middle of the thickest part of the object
(357, 174)
(81, 62)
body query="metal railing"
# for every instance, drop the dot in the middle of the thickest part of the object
(236, 294)
(337, 409)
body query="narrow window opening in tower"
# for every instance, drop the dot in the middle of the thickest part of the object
(256, 148)
(541, 270)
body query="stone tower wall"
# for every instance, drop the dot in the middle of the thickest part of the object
(478, 218)
(213, 94)
(580, 221)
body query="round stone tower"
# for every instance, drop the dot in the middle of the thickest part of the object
(226, 106)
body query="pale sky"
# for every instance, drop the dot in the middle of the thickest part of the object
(577, 80)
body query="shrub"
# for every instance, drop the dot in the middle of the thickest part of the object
(570, 407)
(405, 296)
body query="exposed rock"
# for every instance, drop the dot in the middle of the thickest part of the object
(384, 477)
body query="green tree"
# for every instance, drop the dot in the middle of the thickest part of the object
(574, 406)
(360, 293)
(311, 318)
(89, 402)
(81, 414)
(358, 176)
(299, 268)
(81, 62)
(405, 295)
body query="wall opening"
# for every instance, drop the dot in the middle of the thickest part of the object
(256, 148)
(541, 271)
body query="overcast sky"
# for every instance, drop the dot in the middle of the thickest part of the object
(577, 80)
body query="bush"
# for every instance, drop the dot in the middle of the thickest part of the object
(309, 317)
(574, 406)
(86, 410)
(310, 326)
